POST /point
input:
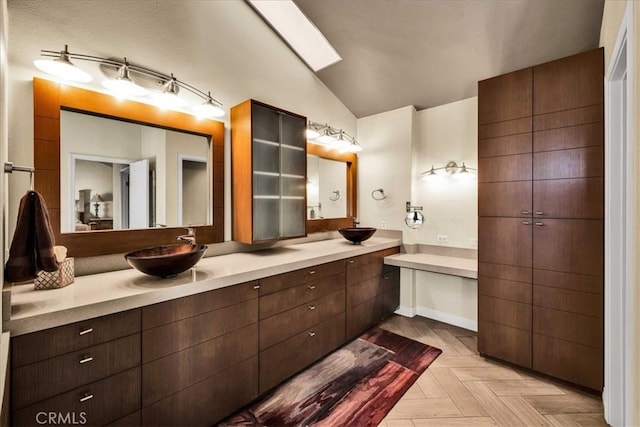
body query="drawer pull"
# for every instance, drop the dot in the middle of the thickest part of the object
(524, 212)
(256, 286)
(539, 224)
(312, 272)
(312, 287)
(312, 307)
(525, 223)
(539, 213)
(351, 261)
(312, 334)
(86, 359)
(86, 331)
(386, 277)
(86, 397)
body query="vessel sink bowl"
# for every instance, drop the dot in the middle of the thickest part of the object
(166, 260)
(357, 234)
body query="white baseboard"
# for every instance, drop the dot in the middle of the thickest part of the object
(440, 316)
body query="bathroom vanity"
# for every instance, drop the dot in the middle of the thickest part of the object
(122, 348)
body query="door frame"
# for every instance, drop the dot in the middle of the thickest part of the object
(191, 158)
(617, 394)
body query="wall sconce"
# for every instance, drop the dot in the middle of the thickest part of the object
(332, 137)
(414, 218)
(451, 168)
(123, 85)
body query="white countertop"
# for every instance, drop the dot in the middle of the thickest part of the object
(455, 266)
(106, 293)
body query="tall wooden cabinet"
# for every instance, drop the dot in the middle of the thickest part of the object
(540, 207)
(269, 173)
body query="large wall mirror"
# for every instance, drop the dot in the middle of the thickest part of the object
(331, 188)
(120, 175)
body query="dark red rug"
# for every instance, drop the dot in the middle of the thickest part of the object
(356, 385)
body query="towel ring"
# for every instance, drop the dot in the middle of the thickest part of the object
(336, 196)
(9, 167)
(382, 196)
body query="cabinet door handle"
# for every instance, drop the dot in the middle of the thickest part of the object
(525, 223)
(312, 334)
(539, 224)
(86, 359)
(312, 272)
(525, 212)
(539, 213)
(86, 397)
(312, 287)
(312, 307)
(386, 277)
(86, 331)
(351, 261)
(256, 286)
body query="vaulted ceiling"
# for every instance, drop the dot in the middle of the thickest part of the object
(431, 52)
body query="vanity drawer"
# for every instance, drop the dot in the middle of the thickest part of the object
(285, 359)
(277, 283)
(38, 381)
(97, 403)
(176, 336)
(363, 316)
(49, 343)
(390, 278)
(182, 308)
(371, 258)
(360, 292)
(284, 325)
(284, 300)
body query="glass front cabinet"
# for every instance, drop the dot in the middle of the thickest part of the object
(269, 173)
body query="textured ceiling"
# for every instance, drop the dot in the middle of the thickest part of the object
(431, 52)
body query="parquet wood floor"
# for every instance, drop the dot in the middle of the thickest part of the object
(462, 388)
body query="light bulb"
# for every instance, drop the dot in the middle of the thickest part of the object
(208, 109)
(123, 86)
(63, 69)
(312, 133)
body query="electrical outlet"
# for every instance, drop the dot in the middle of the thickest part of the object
(443, 238)
(383, 224)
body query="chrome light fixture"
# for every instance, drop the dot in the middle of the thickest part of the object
(59, 65)
(452, 168)
(332, 137)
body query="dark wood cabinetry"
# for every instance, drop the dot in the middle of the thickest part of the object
(89, 370)
(269, 172)
(541, 218)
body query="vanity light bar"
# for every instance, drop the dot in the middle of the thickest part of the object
(452, 168)
(60, 66)
(331, 137)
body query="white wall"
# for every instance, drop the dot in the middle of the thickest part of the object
(333, 178)
(222, 46)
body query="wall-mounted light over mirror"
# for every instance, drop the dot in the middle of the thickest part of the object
(332, 138)
(452, 169)
(106, 232)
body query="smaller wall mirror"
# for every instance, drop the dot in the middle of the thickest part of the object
(331, 188)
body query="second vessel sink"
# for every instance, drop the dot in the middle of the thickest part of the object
(166, 260)
(357, 234)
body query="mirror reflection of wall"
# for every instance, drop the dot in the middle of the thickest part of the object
(138, 172)
(326, 188)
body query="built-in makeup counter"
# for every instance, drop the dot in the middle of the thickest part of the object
(106, 293)
(460, 262)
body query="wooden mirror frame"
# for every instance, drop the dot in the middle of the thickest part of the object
(330, 224)
(48, 99)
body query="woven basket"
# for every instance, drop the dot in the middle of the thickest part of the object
(56, 279)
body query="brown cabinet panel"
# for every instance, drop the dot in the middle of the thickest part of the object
(575, 117)
(571, 82)
(504, 342)
(295, 278)
(360, 292)
(504, 145)
(134, 419)
(588, 135)
(285, 359)
(576, 363)
(97, 403)
(569, 245)
(284, 325)
(569, 198)
(576, 328)
(505, 289)
(575, 282)
(510, 199)
(390, 278)
(504, 312)
(505, 97)
(506, 272)
(571, 301)
(178, 371)
(363, 316)
(38, 381)
(390, 302)
(289, 298)
(179, 335)
(208, 401)
(48, 343)
(509, 127)
(505, 241)
(182, 308)
(574, 163)
(505, 168)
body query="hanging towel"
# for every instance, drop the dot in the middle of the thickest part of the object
(32, 245)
